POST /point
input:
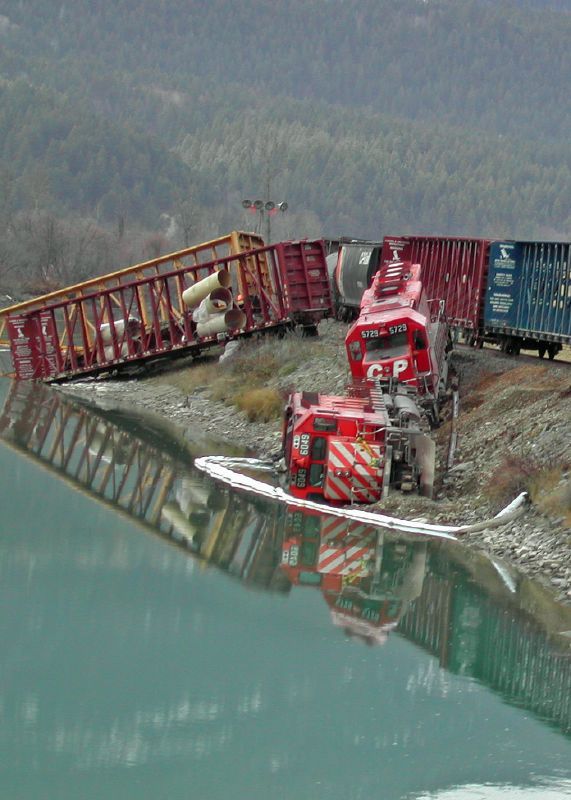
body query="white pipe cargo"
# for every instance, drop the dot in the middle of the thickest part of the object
(200, 314)
(132, 324)
(234, 319)
(217, 301)
(174, 516)
(192, 296)
(109, 351)
(191, 496)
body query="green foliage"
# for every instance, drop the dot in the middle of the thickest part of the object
(59, 155)
(488, 66)
(370, 176)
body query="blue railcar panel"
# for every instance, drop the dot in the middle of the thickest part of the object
(547, 282)
(529, 288)
(503, 290)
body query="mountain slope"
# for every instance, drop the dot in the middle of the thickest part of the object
(494, 67)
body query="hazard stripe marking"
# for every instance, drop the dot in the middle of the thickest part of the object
(331, 559)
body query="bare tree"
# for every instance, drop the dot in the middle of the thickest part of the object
(45, 252)
(155, 245)
(187, 220)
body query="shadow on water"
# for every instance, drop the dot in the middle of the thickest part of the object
(479, 619)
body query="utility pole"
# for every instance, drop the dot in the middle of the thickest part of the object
(268, 217)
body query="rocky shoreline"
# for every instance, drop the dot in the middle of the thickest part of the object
(512, 411)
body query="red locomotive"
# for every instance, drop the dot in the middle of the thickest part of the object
(398, 337)
(355, 448)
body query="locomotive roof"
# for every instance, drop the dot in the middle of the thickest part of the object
(395, 284)
(341, 407)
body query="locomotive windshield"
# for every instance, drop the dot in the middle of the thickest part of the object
(395, 344)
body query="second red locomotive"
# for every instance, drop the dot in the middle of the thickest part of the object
(356, 447)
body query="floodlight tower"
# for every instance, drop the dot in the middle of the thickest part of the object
(266, 209)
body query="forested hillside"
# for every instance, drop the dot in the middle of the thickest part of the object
(61, 154)
(149, 121)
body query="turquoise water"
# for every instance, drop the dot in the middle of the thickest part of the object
(164, 638)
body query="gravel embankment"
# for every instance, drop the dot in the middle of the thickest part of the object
(513, 411)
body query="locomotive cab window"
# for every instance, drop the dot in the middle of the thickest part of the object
(355, 350)
(319, 448)
(308, 553)
(325, 424)
(316, 472)
(395, 344)
(419, 341)
(310, 578)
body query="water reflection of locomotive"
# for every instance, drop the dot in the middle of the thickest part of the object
(367, 578)
(370, 581)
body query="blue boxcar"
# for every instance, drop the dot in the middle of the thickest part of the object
(528, 296)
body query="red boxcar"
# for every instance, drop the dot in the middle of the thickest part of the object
(453, 270)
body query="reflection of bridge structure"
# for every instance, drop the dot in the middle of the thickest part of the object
(145, 474)
(86, 450)
(373, 583)
(497, 644)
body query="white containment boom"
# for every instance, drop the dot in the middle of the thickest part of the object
(192, 296)
(231, 320)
